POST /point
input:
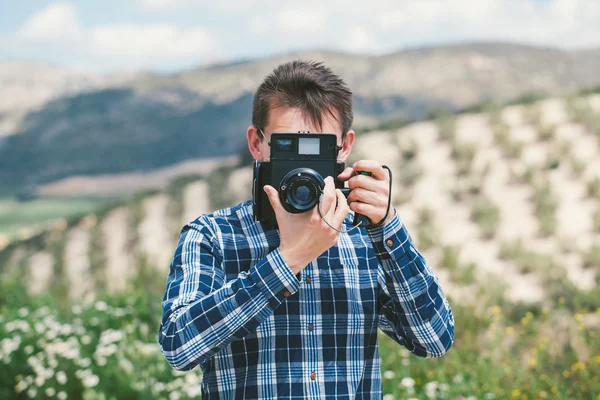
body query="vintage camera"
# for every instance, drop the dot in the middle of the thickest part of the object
(299, 164)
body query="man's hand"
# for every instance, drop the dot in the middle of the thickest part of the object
(370, 194)
(306, 236)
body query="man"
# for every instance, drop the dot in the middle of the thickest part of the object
(293, 312)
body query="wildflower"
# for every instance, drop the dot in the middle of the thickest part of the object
(50, 392)
(566, 374)
(532, 362)
(389, 374)
(28, 349)
(101, 306)
(175, 395)
(23, 312)
(597, 359)
(21, 386)
(516, 393)
(31, 393)
(554, 389)
(496, 310)
(458, 378)
(407, 382)
(509, 330)
(61, 377)
(91, 380)
(431, 389)
(62, 396)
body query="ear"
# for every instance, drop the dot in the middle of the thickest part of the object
(255, 145)
(346, 146)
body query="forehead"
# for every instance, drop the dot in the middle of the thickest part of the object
(292, 119)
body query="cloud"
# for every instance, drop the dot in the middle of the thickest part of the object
(57, 29)
(142, 45)
(58, 21)
(240, 29)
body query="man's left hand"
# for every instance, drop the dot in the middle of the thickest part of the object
(370, 194)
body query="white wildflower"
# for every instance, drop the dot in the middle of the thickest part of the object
(62, 396)
(408, 382)
(431, 389)
(389, 397)
(86, 339)
(50, 392)
(389, 374)
(101, 306)
(91, 380)
(458, 378)
(21, 386)
(61, 377)
(31, 393)
(28, 349)
(175, 395)
(76, 309)
(85, 362)
(23, 312)
(39, 380)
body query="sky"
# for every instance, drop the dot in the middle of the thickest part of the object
(173, 35)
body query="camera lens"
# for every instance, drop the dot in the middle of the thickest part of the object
(302, 194)
(300, 189)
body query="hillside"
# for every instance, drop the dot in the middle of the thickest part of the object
(478, 181)
(147, 121)
(504, 204)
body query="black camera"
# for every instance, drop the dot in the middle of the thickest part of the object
(299, 164)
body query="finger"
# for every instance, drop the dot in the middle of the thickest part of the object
(373, 167)
(375, 214)
(328, 196)
(369, 183)
(273, 196)
(369, 197)
(341, 211)
(346, 174)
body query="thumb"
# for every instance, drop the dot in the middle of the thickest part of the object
(273, 196)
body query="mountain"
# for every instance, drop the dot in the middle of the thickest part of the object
(147, 121)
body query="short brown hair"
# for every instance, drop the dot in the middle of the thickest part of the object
(310, 86)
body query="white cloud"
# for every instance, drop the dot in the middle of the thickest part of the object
(58, 21)
(241, 28)
(142, 45)
(58, 29)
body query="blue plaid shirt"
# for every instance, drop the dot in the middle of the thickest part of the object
(235, 308)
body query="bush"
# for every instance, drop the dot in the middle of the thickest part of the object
(486, 215)
(545, 209)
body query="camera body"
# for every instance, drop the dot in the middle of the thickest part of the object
(297, 168)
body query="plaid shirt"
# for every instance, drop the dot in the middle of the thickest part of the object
(235, 308)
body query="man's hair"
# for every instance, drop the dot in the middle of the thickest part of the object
(310, 86)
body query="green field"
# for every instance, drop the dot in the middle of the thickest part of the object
(17, 218)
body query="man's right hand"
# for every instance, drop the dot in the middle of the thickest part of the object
(305, 236)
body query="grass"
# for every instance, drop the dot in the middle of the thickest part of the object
(426, 233)
(487, 215)
(545, 209)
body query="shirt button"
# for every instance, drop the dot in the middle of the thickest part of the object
(286, 293)
(311, 327)
(313, 376)
(307, 279)
(390, 242)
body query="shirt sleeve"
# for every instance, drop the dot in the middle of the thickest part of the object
(202, 312)
(412, 307)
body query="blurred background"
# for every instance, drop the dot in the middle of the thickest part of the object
(120, 121)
